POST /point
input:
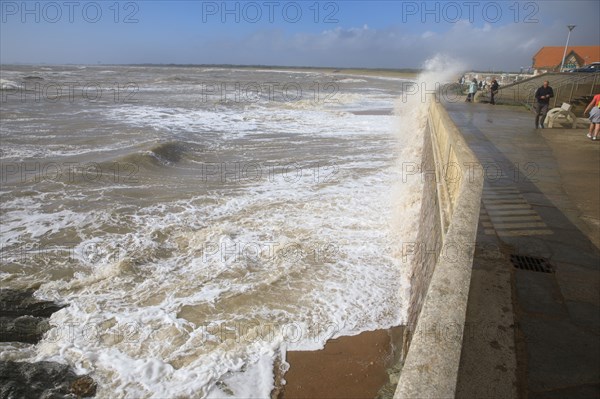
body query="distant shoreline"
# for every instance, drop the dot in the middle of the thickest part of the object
(249, 66)
(331, 69)
(405, 73)
(401, 72)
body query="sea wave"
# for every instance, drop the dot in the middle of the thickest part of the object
(179, 285)
(9, 85)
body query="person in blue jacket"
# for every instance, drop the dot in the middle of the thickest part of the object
(472, 90)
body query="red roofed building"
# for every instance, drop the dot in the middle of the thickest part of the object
(548, 59)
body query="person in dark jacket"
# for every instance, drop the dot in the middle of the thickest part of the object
(542, 96)
(493, 91)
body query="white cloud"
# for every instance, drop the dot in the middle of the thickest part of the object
(488, 47)
(532, 45)
(485, 47)
(506, 45)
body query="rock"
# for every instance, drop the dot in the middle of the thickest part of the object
(84, 386)
(25, 319)
(27, 329)
(35, 380)
(22, 317)
(48, 380)
(20, 303)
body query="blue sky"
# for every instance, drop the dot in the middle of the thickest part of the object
(486, 35)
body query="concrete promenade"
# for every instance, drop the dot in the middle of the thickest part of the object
(532, 334)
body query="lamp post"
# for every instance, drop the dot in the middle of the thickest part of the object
(571, 27)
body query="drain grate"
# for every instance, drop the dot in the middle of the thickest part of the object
(530, 263)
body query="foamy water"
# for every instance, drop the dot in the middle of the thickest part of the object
(198, 234)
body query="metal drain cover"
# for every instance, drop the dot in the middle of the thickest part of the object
(530, 263)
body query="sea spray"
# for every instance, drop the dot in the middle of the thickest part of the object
(411, 110)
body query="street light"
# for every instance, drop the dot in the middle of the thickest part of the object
(571, 27)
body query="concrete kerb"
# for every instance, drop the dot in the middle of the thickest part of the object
(431, 366)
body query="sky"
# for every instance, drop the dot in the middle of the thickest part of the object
(483, 35)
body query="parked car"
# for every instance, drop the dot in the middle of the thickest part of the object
(593, 67)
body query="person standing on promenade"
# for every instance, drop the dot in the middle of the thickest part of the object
(594, 109)
(493, 91)
(542, 95)
(472, 90)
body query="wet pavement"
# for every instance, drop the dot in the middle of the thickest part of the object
(533, 317)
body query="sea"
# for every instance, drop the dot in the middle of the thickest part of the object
(200, 222)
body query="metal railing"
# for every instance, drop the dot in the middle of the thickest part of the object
(568, 87)
(571, 84)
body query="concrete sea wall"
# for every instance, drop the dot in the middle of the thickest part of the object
(443, 256)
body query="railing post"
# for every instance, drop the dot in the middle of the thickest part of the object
(571, 95)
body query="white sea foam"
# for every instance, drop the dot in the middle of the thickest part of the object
(351, 80)
(9, 85)
(254, 120)
(329, 294)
